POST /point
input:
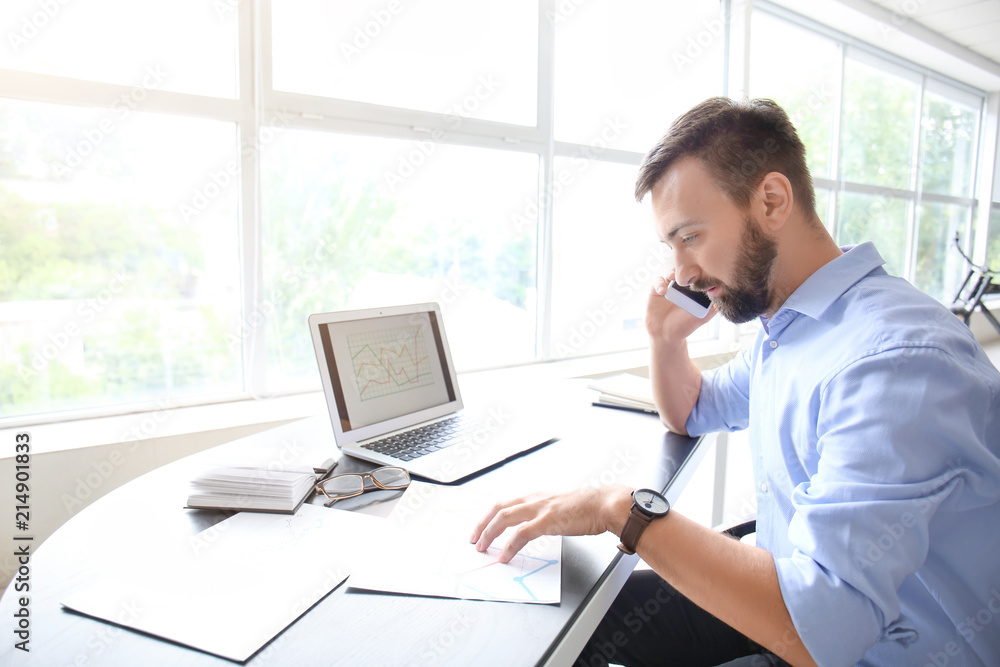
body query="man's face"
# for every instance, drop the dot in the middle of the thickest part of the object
(718, 249)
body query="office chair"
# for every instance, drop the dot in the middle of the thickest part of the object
(977, 284)
(740, 528)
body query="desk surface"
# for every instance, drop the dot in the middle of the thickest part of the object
(597, 446)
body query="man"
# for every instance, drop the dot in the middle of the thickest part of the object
(874, 423)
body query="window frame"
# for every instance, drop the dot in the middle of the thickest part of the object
(256, 105)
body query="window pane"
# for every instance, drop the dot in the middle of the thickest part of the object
(947, 148)
(805, 87)
(606, 257)
(359, 222)
(823, 206)
(635, 66)
(880, 219)
(878, 121)
(118, 258)
(465, 59)
(940, 268)
(187, 46)
(993, 244)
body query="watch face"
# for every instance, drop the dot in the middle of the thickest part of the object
(651, 502)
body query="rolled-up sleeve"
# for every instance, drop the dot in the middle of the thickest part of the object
(724, 401)
(891, 463)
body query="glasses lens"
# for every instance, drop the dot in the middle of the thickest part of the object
(344, 485)
(391, 477)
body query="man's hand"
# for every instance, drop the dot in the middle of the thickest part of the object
(587, 511)
(667, 321)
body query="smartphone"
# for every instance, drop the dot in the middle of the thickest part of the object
(696, 303)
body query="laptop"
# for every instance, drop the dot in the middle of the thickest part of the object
(393, 396)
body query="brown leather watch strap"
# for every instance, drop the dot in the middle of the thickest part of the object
(636, 523)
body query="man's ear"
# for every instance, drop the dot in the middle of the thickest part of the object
(774, 200)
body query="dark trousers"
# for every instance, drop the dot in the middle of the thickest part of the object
(650, 623)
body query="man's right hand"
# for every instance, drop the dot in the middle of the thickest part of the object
(666, 321)
(675, 379)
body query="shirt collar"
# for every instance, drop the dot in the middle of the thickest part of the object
(830, 281)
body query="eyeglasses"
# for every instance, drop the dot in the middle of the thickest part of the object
(339, 487)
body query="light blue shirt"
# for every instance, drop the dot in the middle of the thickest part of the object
(874, 420)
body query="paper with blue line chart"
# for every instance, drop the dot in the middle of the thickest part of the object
(427, 552)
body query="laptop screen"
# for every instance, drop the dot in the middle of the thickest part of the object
(386, 367)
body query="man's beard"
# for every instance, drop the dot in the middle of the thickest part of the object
(750, 294)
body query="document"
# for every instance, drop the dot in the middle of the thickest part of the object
(236, 585)
(426, 551)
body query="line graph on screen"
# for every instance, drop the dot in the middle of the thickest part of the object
(389, 361)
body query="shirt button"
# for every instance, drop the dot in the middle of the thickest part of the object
(763, 487)
(773, 344)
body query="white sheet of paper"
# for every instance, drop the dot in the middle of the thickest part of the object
(235, 586)
(426, 551)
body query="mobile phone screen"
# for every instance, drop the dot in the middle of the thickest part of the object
(696, 303)
(700, 297)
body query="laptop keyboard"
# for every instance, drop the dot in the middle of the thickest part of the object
(423, 440)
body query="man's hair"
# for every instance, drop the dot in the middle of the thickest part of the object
(739, 143)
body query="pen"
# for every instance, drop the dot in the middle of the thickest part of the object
(648, 411)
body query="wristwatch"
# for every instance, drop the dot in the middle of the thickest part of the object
(646, 506)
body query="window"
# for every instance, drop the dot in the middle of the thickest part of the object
(806, 88)
(993, 232)
(892, 148)
(993, 245)
(339, 234)
(635, 65)
(467, 59)
(623, 72)
(186, 46)
(170, 219)
(606, 258)
(110, 292)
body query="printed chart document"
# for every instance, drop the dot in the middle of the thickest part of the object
(427, 552)
(235, 586)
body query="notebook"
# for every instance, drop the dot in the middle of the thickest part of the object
(393, 396)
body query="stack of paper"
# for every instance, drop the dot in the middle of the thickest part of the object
(625, 390)
(252, 488)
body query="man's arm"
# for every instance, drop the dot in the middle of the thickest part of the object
(733, 581)
(676, 381)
